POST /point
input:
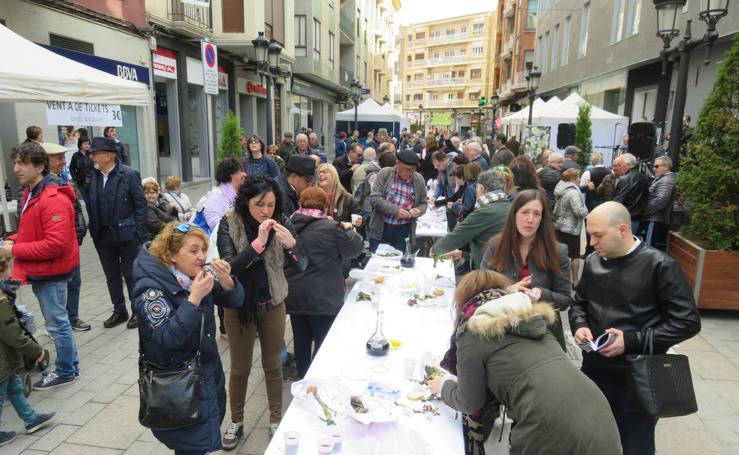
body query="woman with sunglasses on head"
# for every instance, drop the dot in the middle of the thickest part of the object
(259, 243)
(341, 204)
(174, 296)
(255, 163)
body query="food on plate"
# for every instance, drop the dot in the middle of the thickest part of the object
(412, 302)
(379, 279)
(358, 405)
(389, 254)
(415, 396)
(437, 292)
(364, 297)
(328, 413)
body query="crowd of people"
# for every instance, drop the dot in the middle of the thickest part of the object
(279, 232)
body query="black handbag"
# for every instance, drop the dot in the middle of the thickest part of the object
(169, 397)
(660, 385)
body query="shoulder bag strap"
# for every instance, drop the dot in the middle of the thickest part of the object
(176, 201)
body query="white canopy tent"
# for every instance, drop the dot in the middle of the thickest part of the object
(369, 111)
(517, 121)
(607, 128)
(31, 73)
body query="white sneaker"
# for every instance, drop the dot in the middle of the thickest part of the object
(233, 433)
(48, 335)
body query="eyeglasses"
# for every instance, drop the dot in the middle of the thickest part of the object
(658, 165)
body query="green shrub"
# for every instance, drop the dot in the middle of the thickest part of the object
(230, 137)
(584, 134)
(709, 174)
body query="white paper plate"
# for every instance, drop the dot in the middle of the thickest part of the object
(380, 410)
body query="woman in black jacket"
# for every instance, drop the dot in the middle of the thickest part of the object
(317, 293)
(174, 296)
(259, 243)
(158, 211)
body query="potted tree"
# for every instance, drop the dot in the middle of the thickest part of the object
(707, 247)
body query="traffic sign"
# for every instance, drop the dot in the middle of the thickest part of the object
(209, 55)
(365, 91)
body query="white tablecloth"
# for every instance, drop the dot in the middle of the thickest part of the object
(432, 223)
(423, 332)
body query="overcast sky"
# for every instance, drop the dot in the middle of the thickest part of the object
(415, 11)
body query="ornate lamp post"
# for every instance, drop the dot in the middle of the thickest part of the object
(532, 79)
(420, 116)
(356, 96)
(494, 99)
(711, 11)
(267, 57)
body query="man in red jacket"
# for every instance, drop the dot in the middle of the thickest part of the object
(44, 255)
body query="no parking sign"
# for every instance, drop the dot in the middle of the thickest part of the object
(209, 54)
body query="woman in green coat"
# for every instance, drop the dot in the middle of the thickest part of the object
(502, 345)
(15, 346)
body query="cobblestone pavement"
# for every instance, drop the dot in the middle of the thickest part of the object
(97, 415)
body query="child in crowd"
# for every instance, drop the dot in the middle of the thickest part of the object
(15, 347)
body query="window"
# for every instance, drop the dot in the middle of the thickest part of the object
(410, 37)
(419, 57)
(584, 24)
(617, 21)
(633, 11)
(450, 96)
(463, 53)
(474, 96)
(566, 40)
(331, 50)
(531, 12)
(420, 36)
(408, 78)
(477, 29)
(539, 44)
(476, 74)
(316, 40)
(417, 77)
(300, 40)
(460, 95)
(463, 30)
(544, 53)
(477, 51)
(555, 48)
(528, 60)
(274, 20)
(450, 33)
(418, 97)
(448, 54)
(407, 98)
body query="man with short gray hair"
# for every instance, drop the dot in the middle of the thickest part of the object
(483, 223)
(632, 189)
(656, 216)
(549, 175)
(473, 152)
(315, 148)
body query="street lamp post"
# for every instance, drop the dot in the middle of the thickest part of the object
(494, 102)
(532, 79)
(711, 11)
(356, 96)
(454, 121)
(420, 116)
(267, 56)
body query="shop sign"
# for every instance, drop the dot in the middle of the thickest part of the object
(117, 68)
(88, 114)
(209, 57)
(253, 87)
(164, 62)
(222, 78)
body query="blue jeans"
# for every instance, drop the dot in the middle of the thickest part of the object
(52, 297)
(13, 388)
(73, 294)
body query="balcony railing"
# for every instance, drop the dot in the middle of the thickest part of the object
(505, 88)
(508, 46)
(190, 15)
(454, 102)
(419, 62)
(346, 25)
(519, 81)
(452, 59)
(420, 41)
(446, 81)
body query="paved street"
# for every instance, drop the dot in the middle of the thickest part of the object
(97, 415)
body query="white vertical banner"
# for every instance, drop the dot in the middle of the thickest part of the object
(209, 54)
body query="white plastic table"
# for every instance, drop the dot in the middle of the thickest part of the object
(423, 333)
(432, 223)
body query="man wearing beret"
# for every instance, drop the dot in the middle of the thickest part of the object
(398, 198)
(117, 213)
(300, 171)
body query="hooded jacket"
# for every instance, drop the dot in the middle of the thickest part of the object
(319, 289)
(505, 348)
(15, 343)
(42, 249)
(169, 334)
(569, 208)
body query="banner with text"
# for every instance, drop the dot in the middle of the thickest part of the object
(88, 114)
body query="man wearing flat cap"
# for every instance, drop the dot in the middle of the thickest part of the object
(117, 213)
(300, 171)
(398, 198)
(571, 154)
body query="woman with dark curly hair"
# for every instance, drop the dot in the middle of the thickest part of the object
(259, 242)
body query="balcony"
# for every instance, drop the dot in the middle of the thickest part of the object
(505, 88)
(420, 42)
(507, 50)
(378, 62)
(191, 19)
(448, 60)
(519, 82)
(421, 62)
(445, 102)
(346, 26)
(446, 81)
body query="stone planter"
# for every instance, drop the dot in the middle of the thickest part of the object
(712, 275)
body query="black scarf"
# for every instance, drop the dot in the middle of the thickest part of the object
(256, 282)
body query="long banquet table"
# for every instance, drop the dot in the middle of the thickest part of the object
(420, 332)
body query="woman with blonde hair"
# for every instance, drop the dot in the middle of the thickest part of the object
(501, 345)
(340, 203)
(175, 295)
(158, 210)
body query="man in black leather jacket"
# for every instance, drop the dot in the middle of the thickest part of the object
(632, 189)
(626, 288)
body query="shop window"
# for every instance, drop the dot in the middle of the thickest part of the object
(316, 39)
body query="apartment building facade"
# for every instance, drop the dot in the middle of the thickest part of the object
(445, 67)
(383, 56)
(515, 38)
(609, 52)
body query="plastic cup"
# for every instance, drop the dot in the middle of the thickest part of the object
(409, 367)
(292, 440)
(337, 438)
(355, 219)
(325, 446)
